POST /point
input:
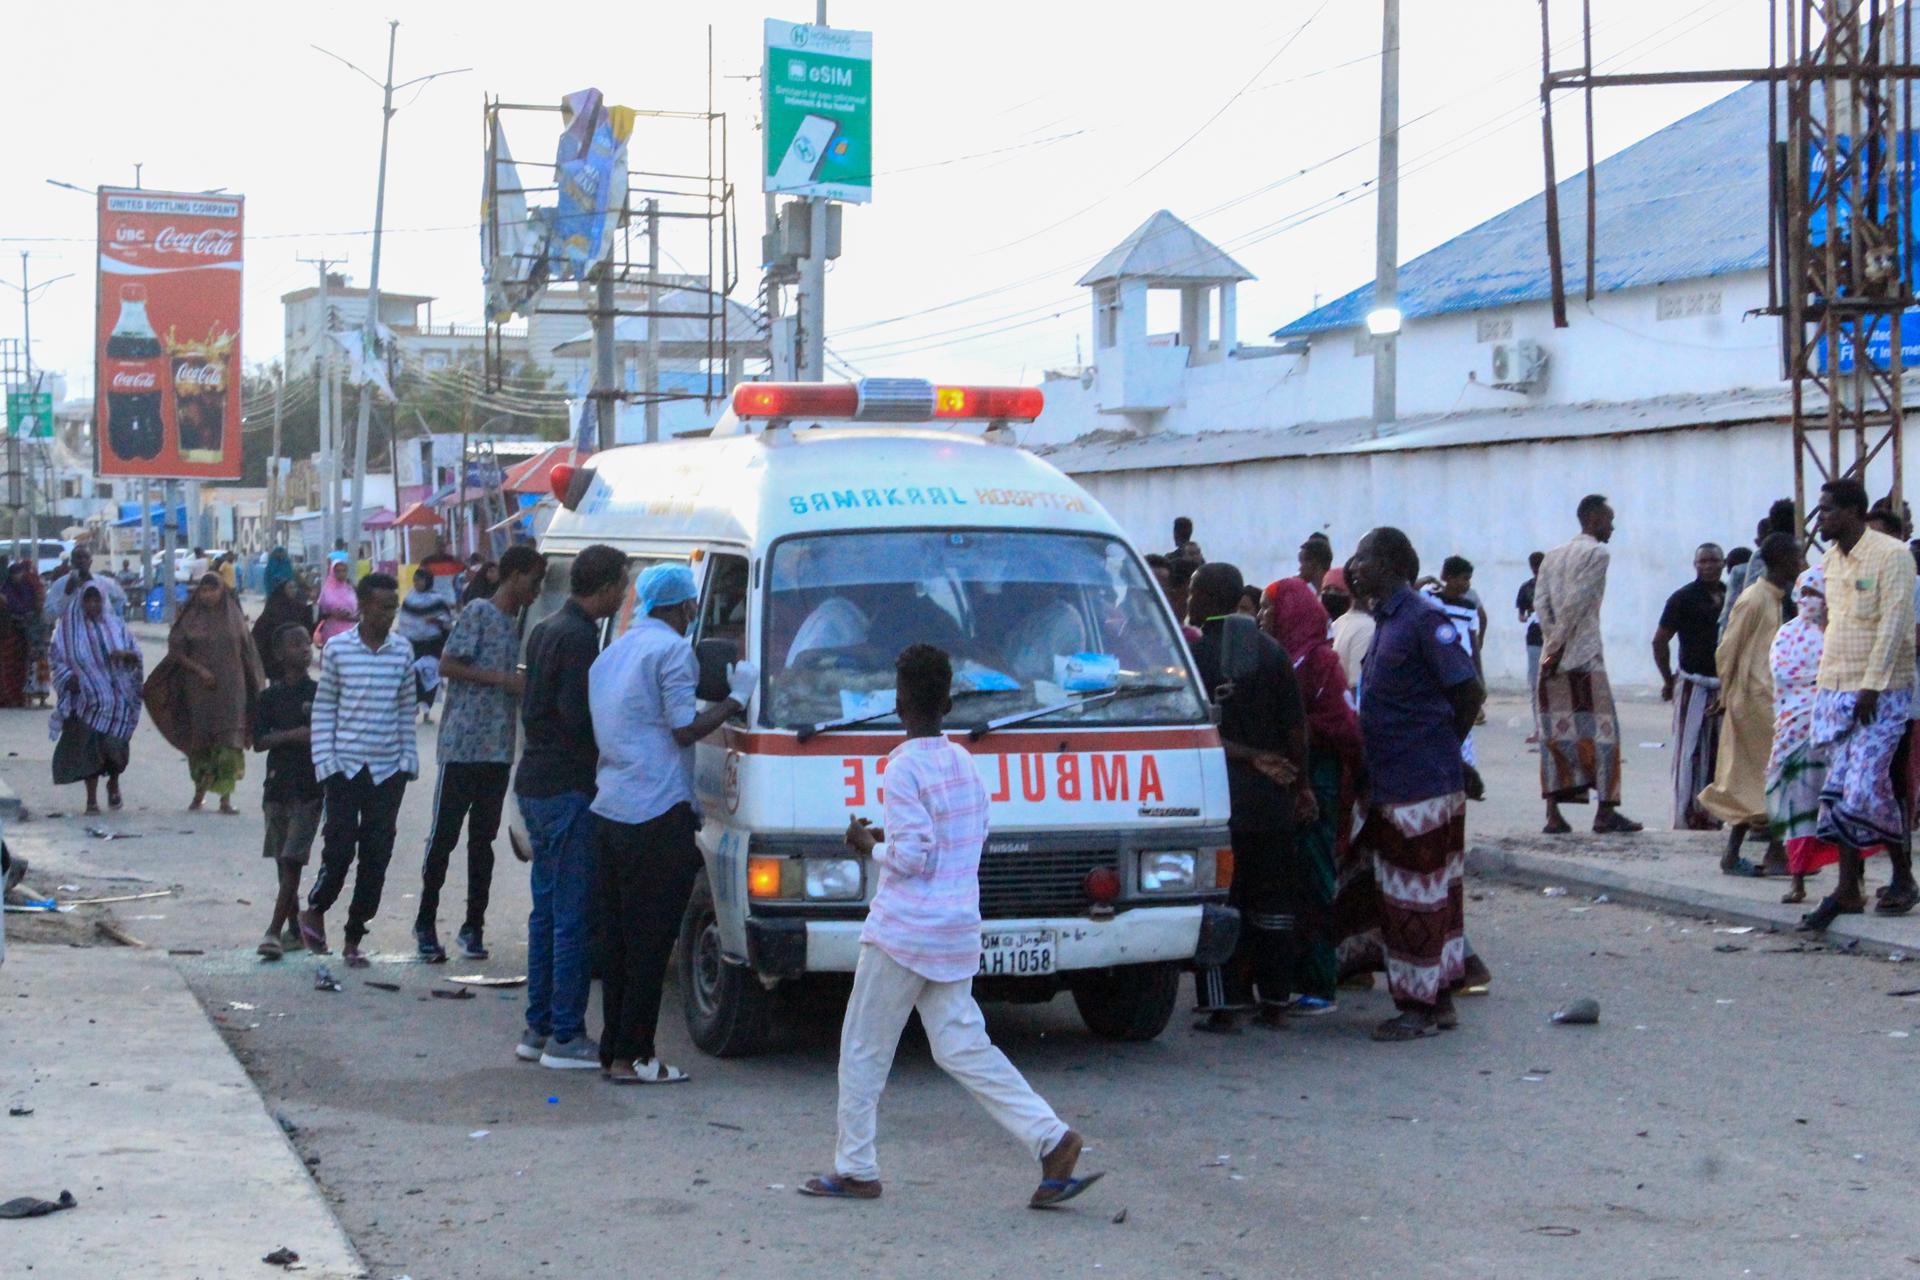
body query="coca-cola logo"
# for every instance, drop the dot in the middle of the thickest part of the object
(134, 380)
(199, 375)
(208, 243)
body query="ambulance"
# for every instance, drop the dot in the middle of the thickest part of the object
(831, 525)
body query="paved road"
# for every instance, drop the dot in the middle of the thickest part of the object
(1736, 1113)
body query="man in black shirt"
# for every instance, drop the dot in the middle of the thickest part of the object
(1693, 615)
(291, 796)
(1263, 728)
(555, 786)
(1536, 639)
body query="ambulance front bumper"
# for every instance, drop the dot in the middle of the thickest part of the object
(1204, 933)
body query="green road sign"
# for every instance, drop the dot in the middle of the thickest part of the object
(29, 414)
(819, 111)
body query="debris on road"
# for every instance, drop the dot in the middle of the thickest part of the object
(323, 980)
(1734, 929)
(480, 1133)
(1553, 891)
(1120, 1217)
(282, 1257)
(462, 994)
(18, 1110)
(482, 980)
(101, 833)
(383, 986)
(34, 1207)
(114, 933)
(125, 897)
(1578, 1013)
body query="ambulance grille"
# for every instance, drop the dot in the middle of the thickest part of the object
(1050, 882)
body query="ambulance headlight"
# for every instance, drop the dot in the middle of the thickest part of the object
(834, 879)
(1168, 871)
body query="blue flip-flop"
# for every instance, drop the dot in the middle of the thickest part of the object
(1054, 1192)
(831, 1186)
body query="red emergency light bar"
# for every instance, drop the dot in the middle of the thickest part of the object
(886, 400)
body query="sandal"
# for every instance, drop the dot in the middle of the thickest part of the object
(833, 1186)
(652, 1071)
(1057, 1183)
(1406, 1026)
(1897, 900)
(113, 794)
(1739, 867)
(1792, 896)
(1560, 827)
(1446, 1017)
(1219, 1023)
(1829, 910)
(1610, 822)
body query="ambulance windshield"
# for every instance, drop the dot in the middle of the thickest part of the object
(1030, 620)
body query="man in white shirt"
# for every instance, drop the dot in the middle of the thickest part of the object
(646, 720)
(921, 947)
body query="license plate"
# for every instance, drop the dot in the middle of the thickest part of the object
(1019, 953)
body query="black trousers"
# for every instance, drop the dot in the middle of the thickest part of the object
(646, 872)
(473, 793)
(360, 820)
(1267, 895)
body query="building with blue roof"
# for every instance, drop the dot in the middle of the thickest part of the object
(1666, 391)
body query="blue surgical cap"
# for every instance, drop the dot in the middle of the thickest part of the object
(665, 584)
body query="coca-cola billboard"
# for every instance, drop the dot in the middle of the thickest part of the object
(167, 340)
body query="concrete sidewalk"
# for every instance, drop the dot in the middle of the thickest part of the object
(140, 1110)
(1679, 871)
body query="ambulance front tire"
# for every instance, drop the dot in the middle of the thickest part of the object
(730, 1012)
(1128, 1002)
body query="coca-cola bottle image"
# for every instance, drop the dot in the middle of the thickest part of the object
(132, 374)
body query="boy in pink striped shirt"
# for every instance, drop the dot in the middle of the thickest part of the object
(921, 947)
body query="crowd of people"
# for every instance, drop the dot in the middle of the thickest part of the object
(1346, 699)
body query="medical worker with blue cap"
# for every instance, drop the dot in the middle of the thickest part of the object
(646, 720)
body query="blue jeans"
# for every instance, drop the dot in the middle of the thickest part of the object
(559, 928)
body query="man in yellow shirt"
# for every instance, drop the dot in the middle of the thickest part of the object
(1861, 700)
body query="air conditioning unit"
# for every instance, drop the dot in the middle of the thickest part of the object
(1517, 366)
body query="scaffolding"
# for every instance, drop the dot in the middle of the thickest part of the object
(664, 209)
(1841, 248)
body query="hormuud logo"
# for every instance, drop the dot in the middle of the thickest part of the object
(208, 243)
(137, 380)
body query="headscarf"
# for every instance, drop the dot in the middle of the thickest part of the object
(337, 598)
(102, 694)
(1795, 663)
(22, 593)
(1296, 618)
(284, 606)
(214, 633)
(279, 569)
(481, 586)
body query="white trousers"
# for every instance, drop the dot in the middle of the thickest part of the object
(884, 993)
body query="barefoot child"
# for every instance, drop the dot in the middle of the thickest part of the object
(291, 797)
(921, 948)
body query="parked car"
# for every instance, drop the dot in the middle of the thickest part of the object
(50, 553)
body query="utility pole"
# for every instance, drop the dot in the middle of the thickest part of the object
(653, 322)
(1384, 322)
(812, 364)
(272, 531)
(24, 449)
(370, 338)
(329, 459)
(604, 393)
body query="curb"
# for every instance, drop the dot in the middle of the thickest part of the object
(1878, 934)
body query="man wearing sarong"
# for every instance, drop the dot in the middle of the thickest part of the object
(1861, 701)
(1573, 701)
(1738, 794)
(1421, 698)
(1693, 615)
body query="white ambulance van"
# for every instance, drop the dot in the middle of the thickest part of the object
(830, 526)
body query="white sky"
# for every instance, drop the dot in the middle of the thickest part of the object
(1071, 103)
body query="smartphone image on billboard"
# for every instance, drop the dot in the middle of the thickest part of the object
(801, 165)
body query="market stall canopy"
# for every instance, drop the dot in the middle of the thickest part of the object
(417, 516)
(381, 519)
(535, 474)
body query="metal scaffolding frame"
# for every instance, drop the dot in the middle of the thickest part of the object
(1847, 74)
(655, 198)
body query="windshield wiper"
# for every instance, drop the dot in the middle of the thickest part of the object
(809, 731)
(980, 731)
